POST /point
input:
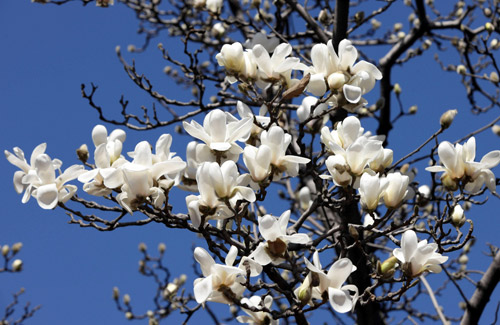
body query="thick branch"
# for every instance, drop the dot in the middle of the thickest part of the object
(483, 292)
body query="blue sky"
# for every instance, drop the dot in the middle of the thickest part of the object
(47, 52)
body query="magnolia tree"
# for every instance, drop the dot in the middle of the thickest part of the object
(277, 110)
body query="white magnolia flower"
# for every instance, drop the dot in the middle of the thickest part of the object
(340, 296)
(238, 63)
(145, 178)
(214, 6)
(371, 190)
(18, 159)
(257, 317)
(382, 160)
(113, 142)
(459, 165)
(278, 142)
(45, 187)
(274, 68)
(417, 257)
(339, 73)
(268, 42)
(396, 190)
(258, 161)
(304, 110)
(220, 131)
(219, 277)
(273, 230)
(358, 154)
(339, 171)
(217, 185)
(305, 200)
(345, 133)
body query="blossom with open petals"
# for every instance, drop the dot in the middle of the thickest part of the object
(418, 257)
(218, 185)
(339, 73)
(46, 187)
(257, 317)
(371, 190)
(19, 160)
(274, 232)
(340, 296)
(238, 63)
(218, 277)
(459, 165)
(278, 141)
(220, 131)
(276, 67)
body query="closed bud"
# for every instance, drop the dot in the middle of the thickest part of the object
(375, 23)
(487, 12)
(182, 279)
(398, 27)
(407, 2)
(129, 315)
(427, 43)
(153, 321)
(304, 293)
(397, 89)
(5, 250)
(496, 129)
(494, 44)
(142, 247)
(447, 118)
(117, 49)
(387, 267)
(83, 153)
(126, 299)
(489, 27)
(323, 17)
(359, 16)
(161, 248)
(462, 305)
(167, 69)
(463, 259)
(413, 109)
(461, 69)
(17, 265)
(494, 77)
(17, 247)
(457, 216)
(116, 293)
(131, 48)
(401, 35)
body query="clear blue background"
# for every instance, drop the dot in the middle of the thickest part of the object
(47, 52)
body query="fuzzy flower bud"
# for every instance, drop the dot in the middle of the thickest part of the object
(447, 118)
(496, 129)
(116, 293)
(458, 216)
(5, 250)
(83, 153)
(126, 299)
(17, 247)
(17, 265)
(161, 248)
(461, 69)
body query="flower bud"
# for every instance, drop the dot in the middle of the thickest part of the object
(397, 89)
(447, 118)
(142, 247)
(494, 43)
(487, 12)
(126, 299)
(83, 153)
(375, 23)
(494, 77)
(5, 250)
(458, 216)
(323, 17)
(129, 315)
(304, 293)
(407, 2)
(413, 109)
(463, 259)
(461, 69)
(161, 248)
(182, 279)
(496, 129)
(489, 27)
(170, 291)
(387, 268)
(116, 293)
(427, 43)
(16, 247)
(398, 27)
(17, 265)
(131, 48)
